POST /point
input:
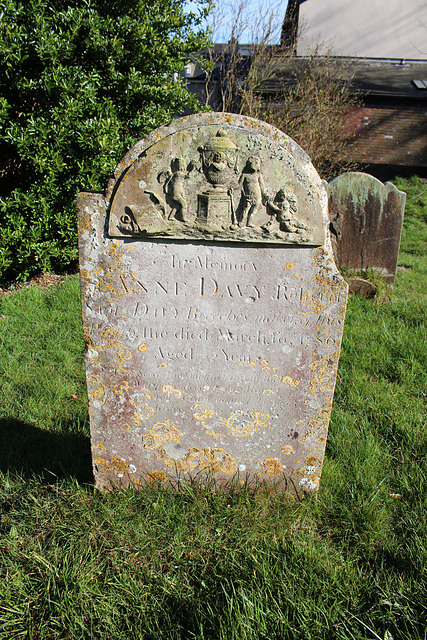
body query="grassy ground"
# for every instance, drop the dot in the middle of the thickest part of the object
(349, 564)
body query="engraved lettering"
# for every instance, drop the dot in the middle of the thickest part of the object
(159, 284)
(210, 265)
(148, 333)
(257, 291)
(124, 284)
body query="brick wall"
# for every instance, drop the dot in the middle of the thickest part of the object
(389, 134)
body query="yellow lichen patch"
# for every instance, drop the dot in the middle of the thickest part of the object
(268, 392)
(206, 387)
(84, 277)
(121, 387)
(321, 420)
(309, 433)
(318, 257)
(126, 427)
(209, 460)
(273, 466)
(257, 475)
(311, 461)
(206, 414)
(85, 222)
(96, 390)
(143, 411)
(113, 252)
(290, 266)
(287, 449)
(163, 365)
(215, 461)
(329, 290)
(142, 347)
(136, 482)
(264, 366)
(123, 354)
(154, 477)
(239, 426)
(203, 416)
(114, 278)
(290, 381)
(161, 433)
(116, 465)
(99, 445)
(323, 379)
(298, 471)
(171, 392)
(86, 336)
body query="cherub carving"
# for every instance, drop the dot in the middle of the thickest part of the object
(284, 209)
(173, 187)
(253, 190)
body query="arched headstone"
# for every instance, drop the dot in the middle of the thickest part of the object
(366, 223)
(212, 309)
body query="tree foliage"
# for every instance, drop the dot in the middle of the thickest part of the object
(81, 81)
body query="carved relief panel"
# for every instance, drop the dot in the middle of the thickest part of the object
(216, 182)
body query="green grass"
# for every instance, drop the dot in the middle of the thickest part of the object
(243, 565)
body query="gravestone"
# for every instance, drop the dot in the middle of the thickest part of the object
(366, 223)
(212, 308)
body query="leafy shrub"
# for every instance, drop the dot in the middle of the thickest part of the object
(80, 82)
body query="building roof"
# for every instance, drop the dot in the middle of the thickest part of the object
(374, 77)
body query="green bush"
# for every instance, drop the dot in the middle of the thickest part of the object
(80, 82)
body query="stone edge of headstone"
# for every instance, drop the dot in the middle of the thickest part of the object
(389, 185)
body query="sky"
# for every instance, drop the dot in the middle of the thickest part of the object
(248, 18)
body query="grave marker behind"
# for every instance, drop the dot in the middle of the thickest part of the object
(366, 223)
(212, 309)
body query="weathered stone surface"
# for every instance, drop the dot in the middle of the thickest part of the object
(366, 223)
(215, 182)
(210, 357)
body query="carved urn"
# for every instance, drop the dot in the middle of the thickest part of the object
(219, 159)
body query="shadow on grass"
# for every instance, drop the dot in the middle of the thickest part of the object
(29, 451)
